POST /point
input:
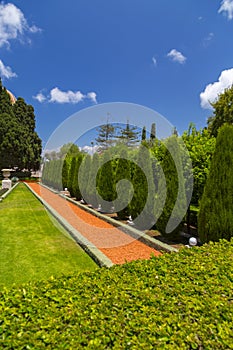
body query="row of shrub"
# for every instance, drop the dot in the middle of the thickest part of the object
(19, 174)
(130, 180)
(138, 305)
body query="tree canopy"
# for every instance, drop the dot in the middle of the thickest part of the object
(20, 145)
(129, 135)
(106, 134)
(223, 111)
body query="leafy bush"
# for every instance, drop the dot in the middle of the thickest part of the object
(176, 301)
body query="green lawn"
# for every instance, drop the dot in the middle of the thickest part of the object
(33, 246)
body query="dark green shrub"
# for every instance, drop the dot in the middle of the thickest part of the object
(65, 174)
(142, 203)
(93, 181)
(215, 219)
(83, 176)
(70, 181)
(169, 223)
(21, 174)
(75, 185)
(123, 172)
(106, 183)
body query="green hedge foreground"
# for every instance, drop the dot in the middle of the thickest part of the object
(176, 301)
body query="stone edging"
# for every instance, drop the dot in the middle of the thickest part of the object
(9, 191)
(101, 259)
(133, 232)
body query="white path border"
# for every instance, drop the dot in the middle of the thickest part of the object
(9, 191)
(133, 232)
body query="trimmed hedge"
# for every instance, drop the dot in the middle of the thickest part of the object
(176, 301)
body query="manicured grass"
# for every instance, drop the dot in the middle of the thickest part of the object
(33, 246)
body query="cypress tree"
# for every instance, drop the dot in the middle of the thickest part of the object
(93, 181)
(57, 174)
(106, 183)
(142, 203)
(76, 188)
(65, 174)
(169, 223)
(123, 172)
(83, 176)
(153, 132)
(144, 133)
(215, 219)
(71, 176)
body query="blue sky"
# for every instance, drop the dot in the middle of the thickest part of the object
(64, 56)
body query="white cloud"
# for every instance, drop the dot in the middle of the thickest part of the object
(212, 91)
(154, 60)
(176, 56)
(227, 8)
(13, 24)
(89, 149)
(40, 97)
(6, 71)
(207, 40)
(92, 96)
(56, 95)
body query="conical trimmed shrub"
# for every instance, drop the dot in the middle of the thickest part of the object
(169, 222)
(106, 183)
(71, 176)
(65, 174)
(93, 181)
(142, 203)
(123, 172)
(76, 189)
(215, 219)
(83, 176)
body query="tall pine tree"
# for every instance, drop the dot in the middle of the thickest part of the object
(129, 135)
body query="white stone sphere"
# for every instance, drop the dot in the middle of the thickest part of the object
(192, 241)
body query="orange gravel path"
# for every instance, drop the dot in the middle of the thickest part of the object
(116, 245)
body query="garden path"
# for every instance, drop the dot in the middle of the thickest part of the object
(116, 245)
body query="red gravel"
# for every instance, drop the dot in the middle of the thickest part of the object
(116, 245)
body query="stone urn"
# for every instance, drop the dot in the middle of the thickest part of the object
(6, 183)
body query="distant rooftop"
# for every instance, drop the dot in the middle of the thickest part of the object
(12, 97)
